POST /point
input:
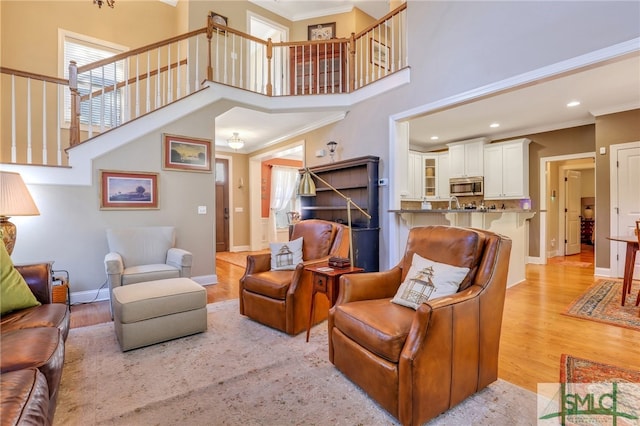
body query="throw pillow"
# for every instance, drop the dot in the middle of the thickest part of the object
(428, 280)
(14, 291)
(285, 256)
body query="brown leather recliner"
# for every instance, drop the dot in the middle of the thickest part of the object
(419, 363)
(282, 299)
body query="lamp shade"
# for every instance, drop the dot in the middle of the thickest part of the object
(15, 199)
(307, 187)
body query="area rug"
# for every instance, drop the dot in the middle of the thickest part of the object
(591, 393)
(580, 370)
(238, 372)
(601, 302)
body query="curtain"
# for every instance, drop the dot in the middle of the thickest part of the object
(284, 182)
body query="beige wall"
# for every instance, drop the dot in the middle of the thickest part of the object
(31, 31)
(33, 28)
(550, 144)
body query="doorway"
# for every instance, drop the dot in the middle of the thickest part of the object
(557, 230)
(222, 204)
(259, 230)
(264, 29)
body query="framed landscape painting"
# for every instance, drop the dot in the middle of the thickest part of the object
(185, 153)
(128, 190)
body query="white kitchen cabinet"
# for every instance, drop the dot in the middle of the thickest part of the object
(428, 176)
(506, 166)
(430, 188)
(443, 176)
(415, 179)
(466, 159)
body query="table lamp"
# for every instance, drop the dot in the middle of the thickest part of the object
(15, 200)
(307, 188)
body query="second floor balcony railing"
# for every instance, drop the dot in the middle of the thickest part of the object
(50, 114)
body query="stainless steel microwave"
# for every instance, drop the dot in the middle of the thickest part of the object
(466, 186)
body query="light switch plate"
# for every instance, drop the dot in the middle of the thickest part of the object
(202, 209)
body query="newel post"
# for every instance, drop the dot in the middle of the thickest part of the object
(209, 37)
(74, 129)
(269, 57)
(352, 62)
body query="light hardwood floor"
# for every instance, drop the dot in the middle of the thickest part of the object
(534, 332)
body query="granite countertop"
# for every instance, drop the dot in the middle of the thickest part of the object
(442, 211)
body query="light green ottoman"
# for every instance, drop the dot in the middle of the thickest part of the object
(154, 311)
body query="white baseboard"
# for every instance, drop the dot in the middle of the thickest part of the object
(206, 279)
(603, 272)
(236, 249)
(535, 260)
(89, 296)
(514, 284)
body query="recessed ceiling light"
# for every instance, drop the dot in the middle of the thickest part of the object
(494, 125)
(573, 104)
(434, 138)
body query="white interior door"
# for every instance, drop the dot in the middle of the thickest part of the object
(628, 179)
(572, 212)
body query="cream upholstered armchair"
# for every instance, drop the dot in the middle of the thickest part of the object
(418, 363)
(144, 254)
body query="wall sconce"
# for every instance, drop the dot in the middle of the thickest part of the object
(553, 195)
(332, 149)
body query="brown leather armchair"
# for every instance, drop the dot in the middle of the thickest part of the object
(282, 299)
(419, 363)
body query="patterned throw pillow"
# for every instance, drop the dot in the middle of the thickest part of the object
(14, 292)
(285, 256)
(428, 280)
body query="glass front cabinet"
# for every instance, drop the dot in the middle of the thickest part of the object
(428, 176)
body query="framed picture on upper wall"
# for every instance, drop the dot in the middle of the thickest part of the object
(186, 154)
(379, 54)
(322, 31)
(128, 190)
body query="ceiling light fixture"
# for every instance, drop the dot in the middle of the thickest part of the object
(573, 104)
(434, 138)
(109, 3)
(235, 142)
(494, 125)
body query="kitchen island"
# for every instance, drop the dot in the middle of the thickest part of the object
(513, 223)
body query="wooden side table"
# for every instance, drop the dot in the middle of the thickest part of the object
(327, 280)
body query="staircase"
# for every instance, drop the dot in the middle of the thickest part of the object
(169, 79)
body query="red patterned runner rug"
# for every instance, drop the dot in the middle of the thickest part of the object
(579, 370)
(601, 302)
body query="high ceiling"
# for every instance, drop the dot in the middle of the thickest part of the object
(297, 10)
(602, 88)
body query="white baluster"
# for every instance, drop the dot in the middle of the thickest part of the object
(44, 122)
(14, 155)
(29, 159)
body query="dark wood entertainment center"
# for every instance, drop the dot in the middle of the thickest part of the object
(357, 179)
